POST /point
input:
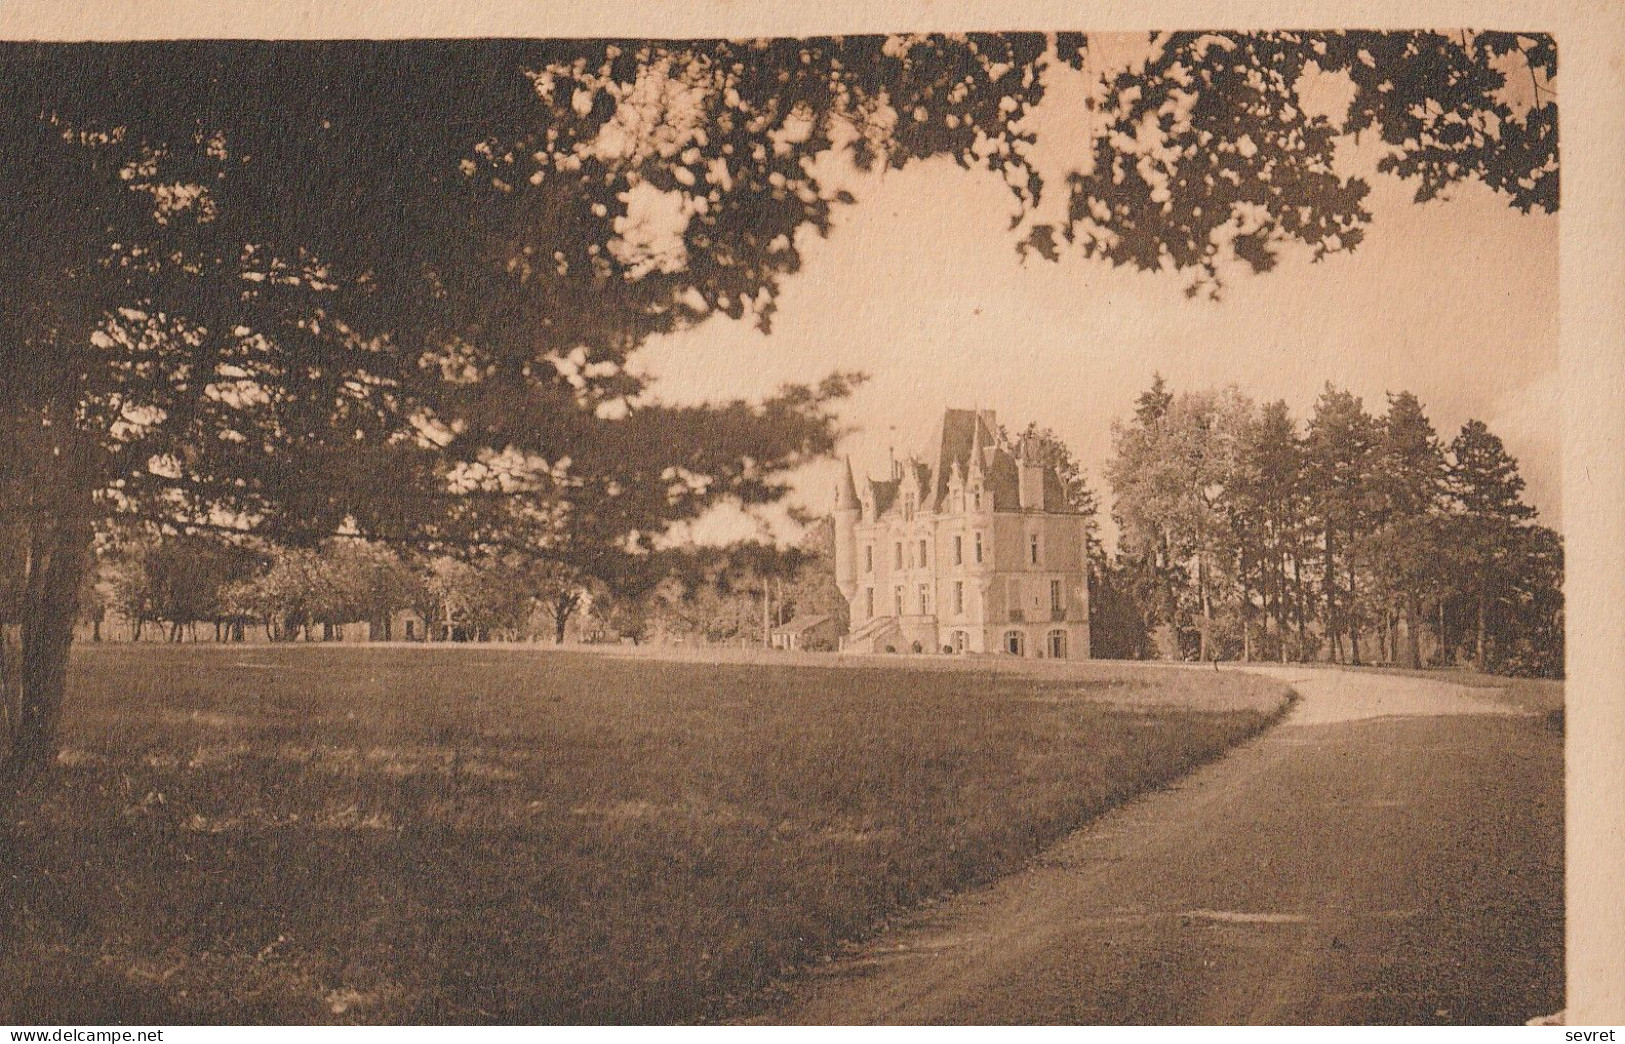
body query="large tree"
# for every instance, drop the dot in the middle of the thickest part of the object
(1490, 525)
(1403, 546)
(1171, 472)
(1340, 457)
(1207, 154)
(1267, 505)
(391, 289)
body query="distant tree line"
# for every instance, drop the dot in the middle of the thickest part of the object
(171, 586)
(1352, 537)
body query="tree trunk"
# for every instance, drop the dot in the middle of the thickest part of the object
(1246, 624)
(1478, 648)
(1353, 617)
(1207, 612)
(50, 603)
(1332, 629)
(1297, 604)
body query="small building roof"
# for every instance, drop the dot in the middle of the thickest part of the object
(803, 624)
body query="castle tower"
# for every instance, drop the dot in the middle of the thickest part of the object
(847, 512)
(1030, 476)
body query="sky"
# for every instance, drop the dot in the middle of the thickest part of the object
(919, 284)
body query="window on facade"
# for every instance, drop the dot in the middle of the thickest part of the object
(976, 499)
(869, 601)
(898, 557)
(1057, 645)
(959, 596)
(922, 553)
(959, 550)
(1014, 643)
(924, 599)
(898, 600)
(868, 558)
(1032, 548)
(978, 547)
(1055, 594)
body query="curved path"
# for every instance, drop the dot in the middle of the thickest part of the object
(1391, 852)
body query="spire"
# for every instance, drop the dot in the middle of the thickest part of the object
(976, 441)
(846, 492)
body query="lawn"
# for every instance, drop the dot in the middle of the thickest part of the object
(386, 835)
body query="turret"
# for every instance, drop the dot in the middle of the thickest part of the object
(847, 513)
(975, 474)
(1030, 476)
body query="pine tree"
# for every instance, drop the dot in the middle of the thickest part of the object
(1408, 485)
(1340, 456)
(1491, 523)
(1270, 496)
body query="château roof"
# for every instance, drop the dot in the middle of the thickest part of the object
(846, 493)
(884, 492)
(968, 440)
(963, 432)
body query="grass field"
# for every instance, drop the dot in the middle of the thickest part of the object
(384, 835)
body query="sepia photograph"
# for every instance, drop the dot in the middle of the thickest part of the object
(1038, 527)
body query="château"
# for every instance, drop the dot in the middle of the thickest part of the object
(972, 549)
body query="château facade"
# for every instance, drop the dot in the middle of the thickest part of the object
(971, 550)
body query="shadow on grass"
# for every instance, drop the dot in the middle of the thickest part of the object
(556, 839)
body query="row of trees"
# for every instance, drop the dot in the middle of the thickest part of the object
(180, 581)
(710, 595)
(1353, 536)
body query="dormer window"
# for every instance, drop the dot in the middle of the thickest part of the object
(976, 499)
